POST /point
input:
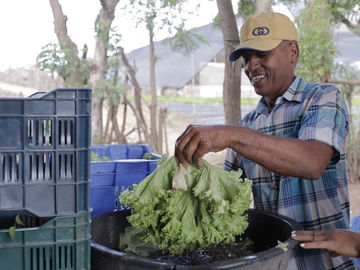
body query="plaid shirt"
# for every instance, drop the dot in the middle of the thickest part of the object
(307, 112)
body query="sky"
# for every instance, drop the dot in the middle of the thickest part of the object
(26, 26)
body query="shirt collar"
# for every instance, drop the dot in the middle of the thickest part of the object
(293, 93)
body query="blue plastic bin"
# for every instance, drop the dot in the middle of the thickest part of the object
(45, 153)
(126, 168)
(122, 151)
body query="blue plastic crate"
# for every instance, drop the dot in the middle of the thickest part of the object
(122, 151)
(46, 243)
(126, 168)
(45, 153)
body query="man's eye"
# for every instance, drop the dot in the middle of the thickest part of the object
(244, 61)
(262, 55)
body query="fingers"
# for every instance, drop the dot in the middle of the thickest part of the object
(309, 236)
(192, 145)
(313, 239)
(201, 150)
(186, 147)
(180, 144)
(198, 140)
(190, 149)
(316, 244)
(334, 254)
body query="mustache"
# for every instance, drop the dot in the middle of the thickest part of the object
(256, 73)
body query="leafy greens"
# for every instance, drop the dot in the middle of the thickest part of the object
(191, 208)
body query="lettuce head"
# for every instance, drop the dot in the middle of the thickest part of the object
(190, 208)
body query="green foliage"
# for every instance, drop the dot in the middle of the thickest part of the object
(12, 229)
(246, 8)
(110, 91)
(102, 31)
(109, 87)
(169, 15)
(61, 60)
(316, 42)
(132, 241)
(148, 156)
(189, 208)
(96, 158)
(356, 101)
(159, 13)
(346, 72)
(12, 232)
(163, 158)
(199, 100)
(51, 59)
(185, 41)
(346, 10)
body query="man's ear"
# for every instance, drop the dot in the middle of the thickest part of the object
(293, 51)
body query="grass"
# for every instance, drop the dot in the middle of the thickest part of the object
(356, 101)
(198, 100)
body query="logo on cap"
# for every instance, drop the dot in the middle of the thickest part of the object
(260, 31)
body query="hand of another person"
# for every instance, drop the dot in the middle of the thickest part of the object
(338, 242)
(197, 140)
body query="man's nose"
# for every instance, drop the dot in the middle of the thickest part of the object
(252, 63)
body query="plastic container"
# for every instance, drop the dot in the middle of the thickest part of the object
(59, 243)
(44, 153)
(265, 229)
(122, 151)
(108, 178)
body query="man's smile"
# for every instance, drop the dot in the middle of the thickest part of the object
(257, 78)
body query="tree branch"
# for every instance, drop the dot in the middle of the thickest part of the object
(352, 83)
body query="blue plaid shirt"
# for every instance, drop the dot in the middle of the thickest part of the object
(307, 112)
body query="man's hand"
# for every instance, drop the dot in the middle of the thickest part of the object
(338, 242)
(198, 140)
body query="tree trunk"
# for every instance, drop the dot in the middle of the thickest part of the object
(139, 116)
(65, 42)
(153, 105)
(263, 6)
(98, 68)
(232, 77)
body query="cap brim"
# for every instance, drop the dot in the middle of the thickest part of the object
(256, 45)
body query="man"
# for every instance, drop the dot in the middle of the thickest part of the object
(292, 145)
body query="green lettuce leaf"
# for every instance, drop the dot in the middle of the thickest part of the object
(190, 208)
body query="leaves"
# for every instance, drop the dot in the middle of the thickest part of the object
(12, 232)
(18, 221)
(148, 156)
(316, 42)
(96, 158)
(58, 59)
(185, 41)
(12, 229)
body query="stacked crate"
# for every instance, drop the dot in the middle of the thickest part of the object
(45, 180)
(125, 167)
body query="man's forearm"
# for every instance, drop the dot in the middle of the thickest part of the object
(285, 156)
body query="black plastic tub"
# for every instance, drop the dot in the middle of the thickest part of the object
(265, 229)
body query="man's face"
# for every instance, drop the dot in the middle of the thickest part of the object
(270, 72)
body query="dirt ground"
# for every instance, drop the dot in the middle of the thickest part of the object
(177, 123)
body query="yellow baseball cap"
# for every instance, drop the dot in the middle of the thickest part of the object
(264, 32)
